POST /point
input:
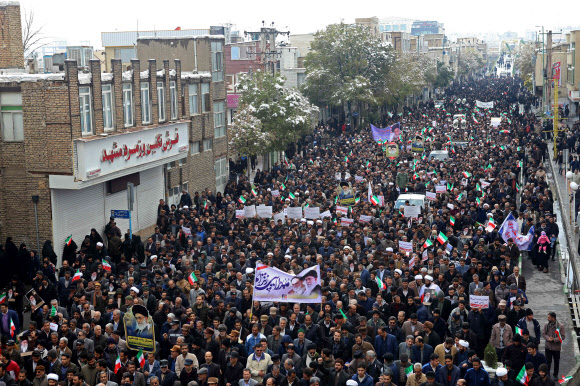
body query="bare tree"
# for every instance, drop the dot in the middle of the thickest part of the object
(32, 35)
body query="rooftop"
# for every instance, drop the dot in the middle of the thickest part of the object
(85, 78)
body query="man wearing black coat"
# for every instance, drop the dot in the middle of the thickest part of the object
(338, 376)
(234, 370)
(167, 377)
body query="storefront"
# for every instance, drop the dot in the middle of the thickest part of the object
(103, 167)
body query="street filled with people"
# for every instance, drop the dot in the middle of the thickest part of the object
(408, 276)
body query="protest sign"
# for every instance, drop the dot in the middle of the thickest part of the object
(249, 211)
(295, 212)
(312, 213)
(325, 214)
(479, 301)
(275, 193)
(239, 213)
(412, 211)
(264, 211)
(341, 210)
(274, 285)
(364, 218)
(406, 246)
(345, 222)
(431, 196)
(440, 189)
(279, 216)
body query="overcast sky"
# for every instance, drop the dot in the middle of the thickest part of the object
(74, 21)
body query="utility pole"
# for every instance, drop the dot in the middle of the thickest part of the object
(548, 73)
(268, 54)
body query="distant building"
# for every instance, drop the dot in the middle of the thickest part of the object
(400, 41)
(372, 23)
(427, 28)
(396, 24)
(122, 44)
(573, 73)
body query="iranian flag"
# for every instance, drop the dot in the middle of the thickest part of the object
(117, 365)
(282, 186)
(382, 285)
(558, 335)
(409, 370)
(78, 275)
(356, 200)
(106, 265)
(291, 195)
(12, 328)
(452, 220)
(478, 201)
(466, 174)
(141, 358)
(475, 120)
(53, 311)
(242, 200)
(68, 240)
(3, 298)
(564, 379)
(254, 193)
(442, 238)
(368, 164)
(346, 159)
(206, 206)
(449, 186)
(428, 243)
(523, 377)
(519, 331)
(192, 278)
(375, 200)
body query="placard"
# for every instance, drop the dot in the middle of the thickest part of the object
(364, 218)
(295, 212)
(479, 301)
(249, 211)
(325, 214)
(341, 210)
(279, 216)
(406, 246)
(412, 211)
(450, 206)
(275, 193)
(264, 211)
(239, 213)
(312, 213)
(440, 189)
(346, 222)
(381, 200)
(358, 178)
(431, 196)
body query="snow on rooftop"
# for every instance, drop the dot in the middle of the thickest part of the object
(181, 37)
(19, 78)
(8, 3)
(199, 75)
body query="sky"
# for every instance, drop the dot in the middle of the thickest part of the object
(74, 22)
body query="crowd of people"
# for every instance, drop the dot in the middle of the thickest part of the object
(375, 324)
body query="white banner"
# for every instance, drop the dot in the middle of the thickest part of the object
(295, 212)
(406, 246)
(364, 218)
(312, 213)
(412, 211)
(484, 105)
(325, 214)
(479, 301)
(275, 193)
(239, 213)
(358, 178)
(275, 285)
(431, 196)
(341, 210)
(440, 189)
(346, 222)
(495, 121)
(279, 216)
(264, 211)
(450, 206)
(249, 211)
(186, 231)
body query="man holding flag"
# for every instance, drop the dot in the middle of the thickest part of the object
(553, 333)
(7, 319)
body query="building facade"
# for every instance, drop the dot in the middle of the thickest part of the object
(12, 49)
(72, 141)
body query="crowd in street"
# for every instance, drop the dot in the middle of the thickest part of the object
(387, 316)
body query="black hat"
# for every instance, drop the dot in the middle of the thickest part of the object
(235, 354)
(163, 363)
(139, 309)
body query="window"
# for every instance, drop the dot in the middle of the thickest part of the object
(219, 119)
(11, 111)
(161, 101)
(125, 54)
(235, 53)
(221, 173)
(192, 99)
(120, 184)
(216, 62)
(128, 104)
(205, 101)
(145, 103)
(207, 144)
(194, 146)
(300, 77)
(173, 99)
(86, 110)
(107, 91)
(171, 165)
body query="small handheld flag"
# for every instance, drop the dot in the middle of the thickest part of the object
(442, 239)
(78, 275)
(192, 278)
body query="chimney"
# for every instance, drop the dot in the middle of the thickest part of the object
(11, 47)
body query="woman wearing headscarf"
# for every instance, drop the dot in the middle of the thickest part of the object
(48, 251)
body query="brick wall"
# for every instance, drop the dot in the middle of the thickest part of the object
(11, 48)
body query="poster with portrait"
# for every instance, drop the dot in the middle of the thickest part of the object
(274, 285)
(392, 150)
(33, 299)
(139, 329)
(345, 193)
(418, 145)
